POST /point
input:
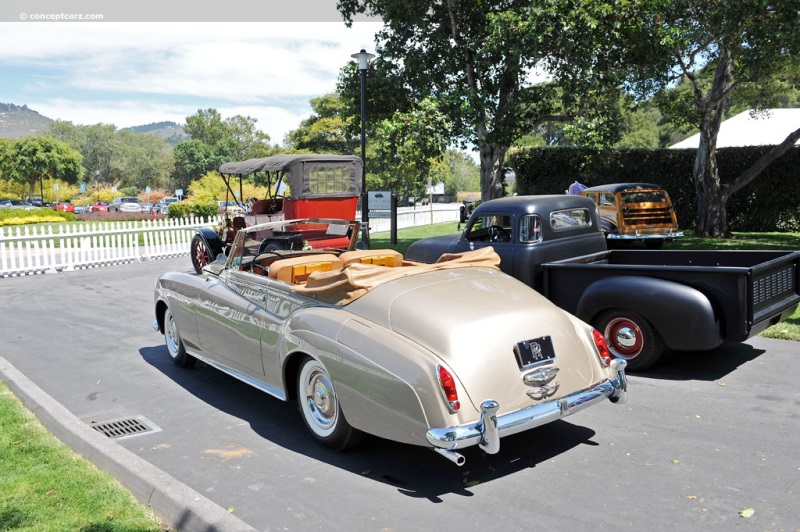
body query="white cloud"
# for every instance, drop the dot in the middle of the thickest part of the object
(135, 73)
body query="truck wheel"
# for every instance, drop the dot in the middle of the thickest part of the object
(200, 254)
(631, 337)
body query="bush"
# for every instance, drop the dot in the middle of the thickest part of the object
(770, 203)
(35, 216)
(201, 210)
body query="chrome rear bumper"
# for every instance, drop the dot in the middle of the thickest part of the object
(486, 433)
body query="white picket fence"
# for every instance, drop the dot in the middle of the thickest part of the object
(43, 249)
(34, 249)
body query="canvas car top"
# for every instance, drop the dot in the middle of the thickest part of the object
(344, 286)
(307, 175)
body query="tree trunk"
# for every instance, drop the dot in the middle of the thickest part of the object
(711, 218)
(492, 158)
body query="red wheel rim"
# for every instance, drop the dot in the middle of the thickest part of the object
(624, 337)
(200, 255)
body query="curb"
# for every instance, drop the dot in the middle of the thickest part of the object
(174, 502)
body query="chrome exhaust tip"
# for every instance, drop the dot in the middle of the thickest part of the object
(457, 458)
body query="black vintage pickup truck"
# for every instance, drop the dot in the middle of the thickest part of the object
(644, 301)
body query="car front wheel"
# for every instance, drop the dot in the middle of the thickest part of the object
(631, 337)
(320, 407)
(201, 256)
(174, 343)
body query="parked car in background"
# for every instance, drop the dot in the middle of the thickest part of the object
(100, 206)
(63, 206)
(16, 204)
(36, 201)
(231, 208)
(160, 207)
(169, 201)
(147, 208)
(125, 204)
(80, 209)
(635, 211)
(297, 312)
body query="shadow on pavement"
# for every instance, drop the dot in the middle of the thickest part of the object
(703, 365)
(415, 471)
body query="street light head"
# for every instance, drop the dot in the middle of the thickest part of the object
(363, 59)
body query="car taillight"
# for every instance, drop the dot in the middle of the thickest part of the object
(602, 346)
(448, 384)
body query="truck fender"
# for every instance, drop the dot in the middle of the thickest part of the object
(684, 317)
(213, 241)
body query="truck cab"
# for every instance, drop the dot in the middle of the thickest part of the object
(524, 233)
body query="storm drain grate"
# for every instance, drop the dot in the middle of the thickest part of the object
(126, 428)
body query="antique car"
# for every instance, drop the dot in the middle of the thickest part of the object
(348, 334)
(299, 186)
(635, 211)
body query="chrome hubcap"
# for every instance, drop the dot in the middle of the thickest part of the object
(626, 337)
(321, 400)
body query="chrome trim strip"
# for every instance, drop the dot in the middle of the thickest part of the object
(615, 236)
(275, 392)
(487, 432)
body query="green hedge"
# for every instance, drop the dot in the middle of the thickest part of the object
(770, 203)
(201, 210)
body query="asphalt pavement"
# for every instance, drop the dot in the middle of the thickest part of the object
(703, 437)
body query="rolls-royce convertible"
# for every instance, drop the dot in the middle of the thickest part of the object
(446, 355)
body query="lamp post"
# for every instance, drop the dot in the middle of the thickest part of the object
(363, 64)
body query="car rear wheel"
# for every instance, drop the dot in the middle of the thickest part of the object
(174, 343)
(201, 255)
(631, 337)
(320, 407)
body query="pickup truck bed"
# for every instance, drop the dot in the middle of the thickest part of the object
(766, 281)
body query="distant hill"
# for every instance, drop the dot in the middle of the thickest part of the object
(170, 131)
(19, 121)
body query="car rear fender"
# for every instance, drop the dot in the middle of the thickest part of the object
(386, 384)
(683, 316)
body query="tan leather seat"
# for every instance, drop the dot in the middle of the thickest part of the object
(296, 270)
(379, 257)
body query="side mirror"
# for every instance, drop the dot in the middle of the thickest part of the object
(221, 259)
(361, 245)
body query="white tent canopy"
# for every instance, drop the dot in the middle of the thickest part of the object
(763, 128)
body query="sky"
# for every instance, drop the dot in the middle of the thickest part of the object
(133, 72)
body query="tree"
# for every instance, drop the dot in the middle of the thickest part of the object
(477, 59)
(215, 141)
(327, 130)
(148, 160)
(741, 46)
(31, 159)
(406, 147)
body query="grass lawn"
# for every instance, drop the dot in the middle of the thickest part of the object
(786, 330)
(45, 486)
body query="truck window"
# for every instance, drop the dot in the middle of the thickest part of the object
(569, 219)
(530, 228)
(490, 228)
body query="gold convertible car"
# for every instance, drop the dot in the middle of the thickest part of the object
(446, 355)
